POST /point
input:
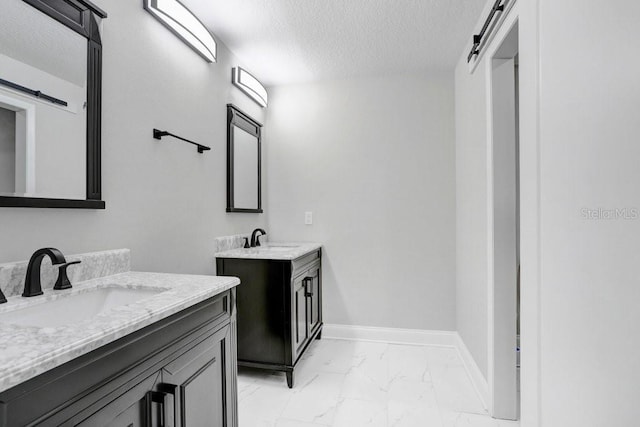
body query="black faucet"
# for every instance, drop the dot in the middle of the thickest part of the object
(255, 237)
(32, 286)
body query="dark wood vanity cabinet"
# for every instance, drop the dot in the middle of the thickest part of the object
(279, 309)
(178, 372)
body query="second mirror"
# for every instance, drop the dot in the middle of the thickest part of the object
(244, 192)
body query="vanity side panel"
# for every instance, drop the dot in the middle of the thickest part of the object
(261, 313)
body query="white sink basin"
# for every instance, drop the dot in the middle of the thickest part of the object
(76, 307)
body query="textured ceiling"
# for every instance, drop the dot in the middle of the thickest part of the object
(286, 41)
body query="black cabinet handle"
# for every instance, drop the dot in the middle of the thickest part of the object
(167, 388)
(308, 281)
(166, 418)
(168, 410)
(151, 398)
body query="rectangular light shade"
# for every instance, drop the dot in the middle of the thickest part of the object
(183, 23)
(250, 86)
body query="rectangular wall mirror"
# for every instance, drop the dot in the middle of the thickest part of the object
(50, 95)
(244, 193)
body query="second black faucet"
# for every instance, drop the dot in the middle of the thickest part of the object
(255, 237)
(32, 285)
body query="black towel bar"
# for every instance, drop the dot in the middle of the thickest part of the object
(158, 134)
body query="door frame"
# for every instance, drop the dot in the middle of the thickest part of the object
(525, 14)
(501, 309)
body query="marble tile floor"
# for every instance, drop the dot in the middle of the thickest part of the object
(354, 383)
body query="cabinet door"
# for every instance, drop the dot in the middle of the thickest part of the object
(299, 311)
(132, 409)
(200, 381)
(314, 297)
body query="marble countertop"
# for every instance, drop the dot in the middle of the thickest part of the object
(272, 250)
(27, 351)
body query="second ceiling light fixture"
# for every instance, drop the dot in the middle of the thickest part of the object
(183, 23)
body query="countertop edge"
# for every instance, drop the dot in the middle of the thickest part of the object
(302, 249)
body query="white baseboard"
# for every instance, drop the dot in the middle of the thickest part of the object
(477, 379)
(389, 335)
(414, 337)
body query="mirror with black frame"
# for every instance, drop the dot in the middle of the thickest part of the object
(244, 140)
(50, 104)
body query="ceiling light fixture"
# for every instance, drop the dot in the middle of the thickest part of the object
(183, 23)
(250, 86)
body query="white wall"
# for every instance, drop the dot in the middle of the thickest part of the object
(164, 200)
(589, 157)
(373, 159)
(579, 149)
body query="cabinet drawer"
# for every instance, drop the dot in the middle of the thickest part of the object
(221, 307)
(300, 265)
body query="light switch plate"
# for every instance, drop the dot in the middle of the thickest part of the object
(308, 218)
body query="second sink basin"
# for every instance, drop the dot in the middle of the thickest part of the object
(76, 307)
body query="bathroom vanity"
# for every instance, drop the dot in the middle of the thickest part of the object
(279, 302)
(129, 349)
